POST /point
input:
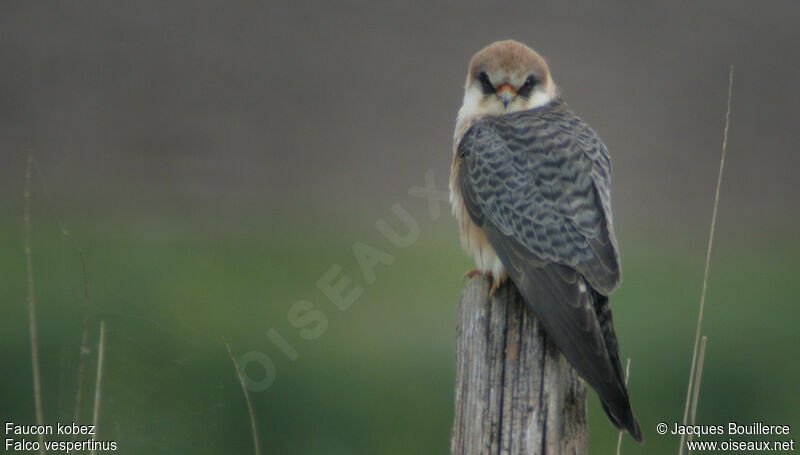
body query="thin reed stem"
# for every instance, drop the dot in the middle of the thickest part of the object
(696, 391)
(619, 438)
(253, 427)
(98, 386)
(37, 382)
(693, 370)
(84, 349)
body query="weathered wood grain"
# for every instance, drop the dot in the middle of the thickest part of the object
(515, 393)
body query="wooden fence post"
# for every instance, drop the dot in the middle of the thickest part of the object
(515, 393)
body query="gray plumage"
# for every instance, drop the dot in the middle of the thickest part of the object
(537, 183)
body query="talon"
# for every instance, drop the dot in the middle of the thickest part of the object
(495, 285)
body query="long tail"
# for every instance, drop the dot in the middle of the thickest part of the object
(621, 415)
(576, 318)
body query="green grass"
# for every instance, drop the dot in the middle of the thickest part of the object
(379, 379)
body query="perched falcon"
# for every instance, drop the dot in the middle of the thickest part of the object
(530, 187)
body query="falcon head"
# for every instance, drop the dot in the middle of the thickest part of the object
(504, 77)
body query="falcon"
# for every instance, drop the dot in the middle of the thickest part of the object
(530, 188)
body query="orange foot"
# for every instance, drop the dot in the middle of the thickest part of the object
(495, 282)
(472, 272)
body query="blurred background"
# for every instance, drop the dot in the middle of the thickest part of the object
(213, 161)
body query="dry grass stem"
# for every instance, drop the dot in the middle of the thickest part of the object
(627, 372)
(81, 371)
(696, 391)
(693, 370)
(98, 387)
(84, 349)
(37, 383)
(254, 428)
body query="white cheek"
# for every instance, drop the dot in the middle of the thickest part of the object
(539, 98)
(470, 106)
(476, 104)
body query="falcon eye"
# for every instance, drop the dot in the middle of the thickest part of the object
(486, 85)
(527, 87)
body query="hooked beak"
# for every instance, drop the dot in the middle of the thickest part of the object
(506, 93)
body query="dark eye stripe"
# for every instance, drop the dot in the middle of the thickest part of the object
(486, 85)
(527, 87)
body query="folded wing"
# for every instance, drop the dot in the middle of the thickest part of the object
(537, 183)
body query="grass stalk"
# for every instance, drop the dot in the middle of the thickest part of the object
(701, 357)
(98, 387)
(693, 370)
(696, 389)
(627, 372)
(253, 427)
(37, 382)
(84, 349)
